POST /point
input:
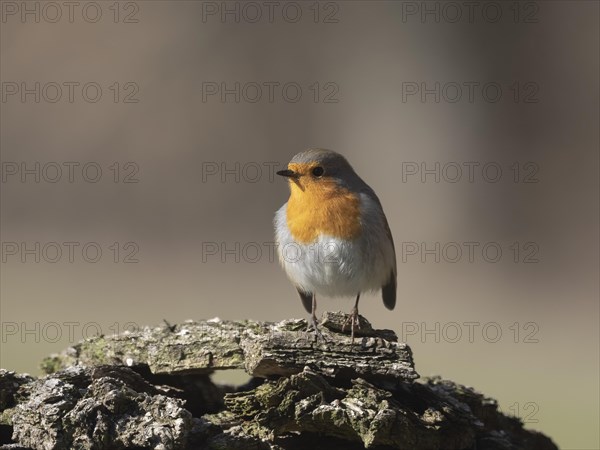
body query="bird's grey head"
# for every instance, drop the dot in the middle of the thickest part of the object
(322, 156)
(318, 163)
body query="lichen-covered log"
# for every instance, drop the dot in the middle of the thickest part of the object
(152, 389)
(263, 349)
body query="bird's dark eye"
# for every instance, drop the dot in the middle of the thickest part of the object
(318, 171)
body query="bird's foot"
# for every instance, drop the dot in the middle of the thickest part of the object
(353, 321)
(313, 325)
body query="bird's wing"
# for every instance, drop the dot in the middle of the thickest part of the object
(388, 290)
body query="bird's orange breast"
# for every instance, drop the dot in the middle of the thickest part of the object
(322, 208)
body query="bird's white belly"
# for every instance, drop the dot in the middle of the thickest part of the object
(331, 266)
(328, 266)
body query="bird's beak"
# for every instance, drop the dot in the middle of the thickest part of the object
(289, 174)
(293, 176)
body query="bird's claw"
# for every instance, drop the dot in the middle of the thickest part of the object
(312, 324)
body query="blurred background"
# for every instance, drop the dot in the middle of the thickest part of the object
(139, 144)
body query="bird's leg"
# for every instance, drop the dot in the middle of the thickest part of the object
(353, 319)
(313, 322)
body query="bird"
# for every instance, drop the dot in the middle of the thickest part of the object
(332, 236)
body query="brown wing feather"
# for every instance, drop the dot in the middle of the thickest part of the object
(388, 292)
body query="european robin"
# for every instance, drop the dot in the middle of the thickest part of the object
(332, 234)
